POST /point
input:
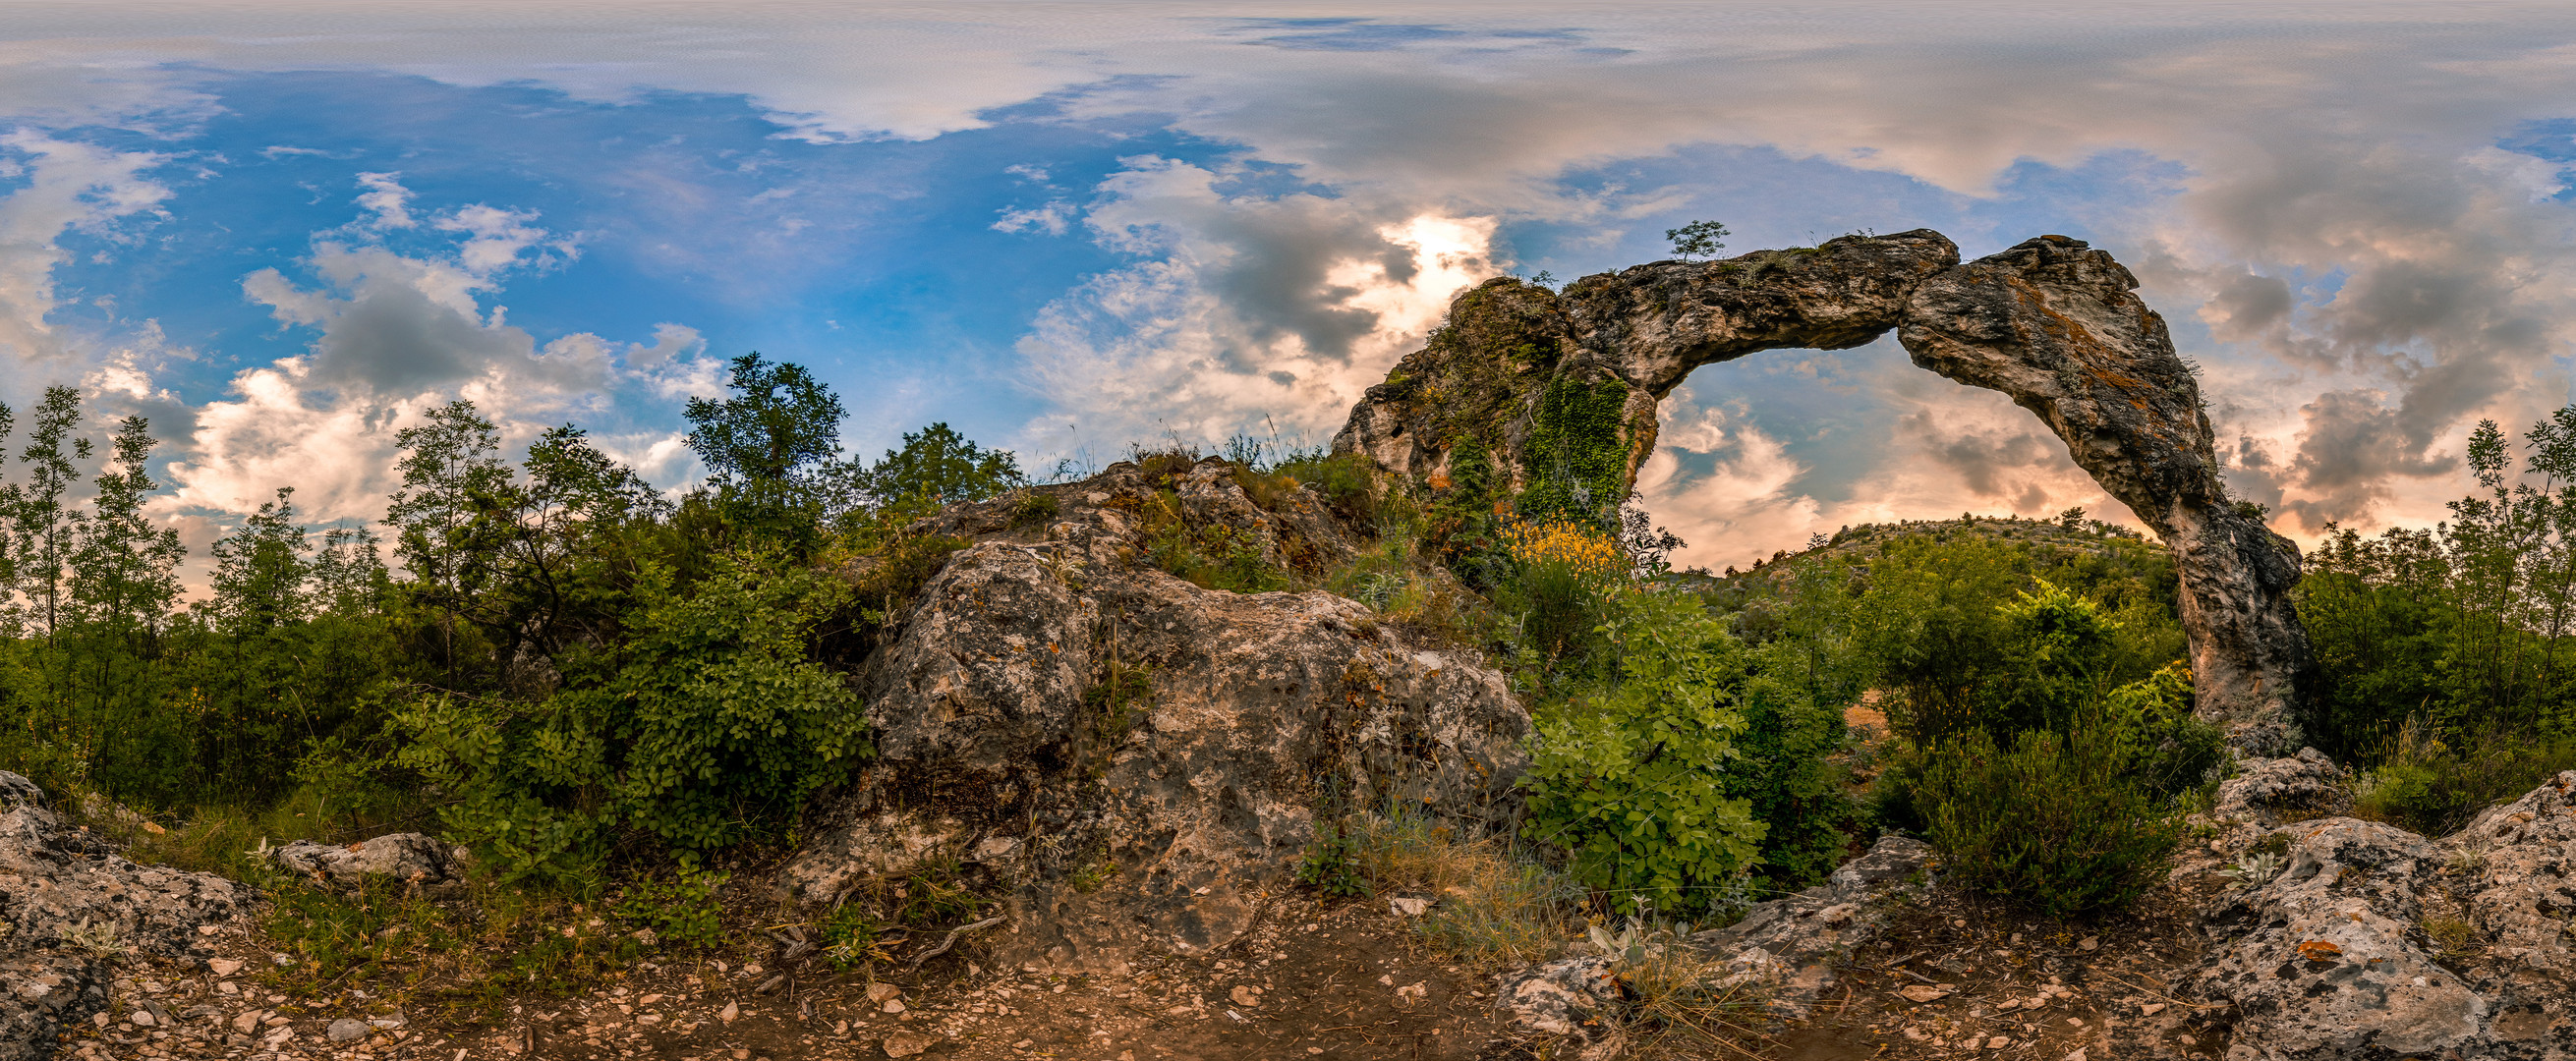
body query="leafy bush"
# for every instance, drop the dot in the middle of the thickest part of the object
(682, 911)
(708, 718)
(1634, 780)
(2051, 822)
(2433, 787)
(1562, 572)
(2168, 748)
(1331, 863)
(1348, 481)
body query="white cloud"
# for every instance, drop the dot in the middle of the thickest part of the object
(1242, 307)
(384, 196)
(397, 335)
(70, 185)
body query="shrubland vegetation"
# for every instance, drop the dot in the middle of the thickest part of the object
(612, 692)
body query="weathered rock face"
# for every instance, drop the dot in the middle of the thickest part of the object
(1562, 390)
(2319, 963)
(1152, 811)
(1788, 947)
(2265, 791)
(2372, 942)
(69, 906)
(408, 860)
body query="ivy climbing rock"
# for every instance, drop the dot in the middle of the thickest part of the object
(1529, 376)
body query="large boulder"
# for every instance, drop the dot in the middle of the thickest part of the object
(1133, 760)
(2371, 942)
(1566, 387)
(2268, 792)
(70, 907)
(1789, 947)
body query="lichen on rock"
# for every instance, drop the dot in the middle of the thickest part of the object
(1155, 818)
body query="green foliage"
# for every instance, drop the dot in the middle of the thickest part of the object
(2464, 626)
(711, 716)
(1577, 452)
(681, 911)
(2052, 822)
(1633, 779)
(1980, 631)
(2431, 786)
(767, 445)
(936, 466)
(2169, 750)
(1697, 238)
(1034, 508)
(1331, 865)
(1346, 481)
(1210, 555)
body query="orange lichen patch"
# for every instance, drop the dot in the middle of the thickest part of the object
(2317, 950)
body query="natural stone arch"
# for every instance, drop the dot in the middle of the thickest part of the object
(1533, 377)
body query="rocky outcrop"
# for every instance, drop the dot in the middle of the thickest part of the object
(411, 861)
(2267, 792)
(2367, 941)
(1133, 759)
(70, 907)
(1561, 391)
(1787, 948)
(1784, 950)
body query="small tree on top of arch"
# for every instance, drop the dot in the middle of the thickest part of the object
(1698, 237)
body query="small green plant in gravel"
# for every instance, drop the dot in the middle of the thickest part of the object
(1331, 866)
(682, 911)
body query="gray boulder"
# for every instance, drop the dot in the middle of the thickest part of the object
(2372, 942)
(1788, 947)
(1572, 1001)
(414, 861)
(2265, 791)
(70, 908)
(1053, 707)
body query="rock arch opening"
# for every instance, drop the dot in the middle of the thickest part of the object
(1559, 392)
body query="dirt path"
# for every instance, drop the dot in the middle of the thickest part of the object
(1315, 981)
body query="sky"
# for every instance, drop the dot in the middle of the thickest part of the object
(283, 230)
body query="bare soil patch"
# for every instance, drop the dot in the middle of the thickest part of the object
(1315, 980)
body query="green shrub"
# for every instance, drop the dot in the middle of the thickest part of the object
(1034, 508)
(682, 911)
(1347, 481)
(2052, 822)
(709, 721)
(2432, 787)
(1634, 780)
(2167, 747)
(1331, 864)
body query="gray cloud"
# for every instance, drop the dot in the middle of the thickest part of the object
(2373, 273)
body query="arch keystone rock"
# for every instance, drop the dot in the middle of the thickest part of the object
(1530, 376)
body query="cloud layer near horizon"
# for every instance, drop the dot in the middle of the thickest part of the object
(2356, 216)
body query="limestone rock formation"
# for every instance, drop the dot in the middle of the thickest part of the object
(2371, 942)
(1788, 947)
(69, 906)
(410, 860)
(2264, 791)
(1560, 392)
(1133, 759)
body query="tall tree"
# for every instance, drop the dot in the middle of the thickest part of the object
(766, 444)
(260, 569)
(44, 527)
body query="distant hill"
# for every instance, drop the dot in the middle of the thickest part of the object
(2077, 550)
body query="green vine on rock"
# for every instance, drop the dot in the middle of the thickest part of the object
(1576, 461)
